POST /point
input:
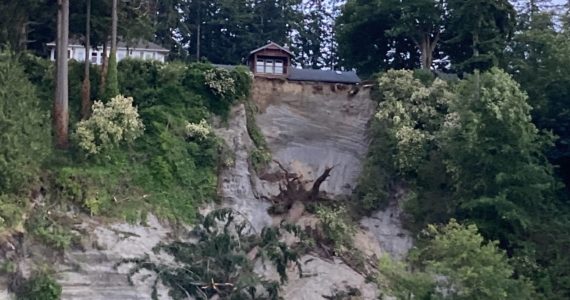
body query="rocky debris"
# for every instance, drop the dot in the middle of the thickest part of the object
(90, 273)
(323, 278)
(385, 227)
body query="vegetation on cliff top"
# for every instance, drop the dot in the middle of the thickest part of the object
(160, 169)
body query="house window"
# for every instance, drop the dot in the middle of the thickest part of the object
(141, 53)
(68, 54)
(94, 57)
(148, 56)
(269, 66)
(79, 54)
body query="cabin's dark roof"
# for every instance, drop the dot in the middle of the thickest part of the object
(323, 75)
(222, 66)
(138, 44)
(269, 45)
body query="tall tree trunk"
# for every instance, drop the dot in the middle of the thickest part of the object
(198, 25)
(23, 41)
(104, 63)
(114, 28)
(424, 48)
(60, 108)
(427, 47)
(86, 86)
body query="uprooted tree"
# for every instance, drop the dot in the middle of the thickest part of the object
(293, 189)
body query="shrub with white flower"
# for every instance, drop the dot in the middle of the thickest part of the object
(412, 114)
(198, 131)
(110, 124)
(220, 82)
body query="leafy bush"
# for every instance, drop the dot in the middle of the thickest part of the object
(51, 233)
(198, 131)
(412, 113)
(455, 263)
(404, 134)
(39, 287)
(11, 210)
(336, 227)
(109, 125)
(220, 82)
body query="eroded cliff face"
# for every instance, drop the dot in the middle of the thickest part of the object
(311, 126)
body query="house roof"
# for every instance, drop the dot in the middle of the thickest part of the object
(137, 44)
(223, 66)
(271, 45)
(323, 75)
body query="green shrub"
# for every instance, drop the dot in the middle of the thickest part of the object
(39, 287)
(44, 228)
(11, 210)
(336, 227)
(260, 156)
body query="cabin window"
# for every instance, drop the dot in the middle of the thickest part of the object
(260, 66)
(269, 66)
(94, 57)
(278, 66)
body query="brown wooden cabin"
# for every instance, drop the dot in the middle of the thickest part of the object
(271, 60)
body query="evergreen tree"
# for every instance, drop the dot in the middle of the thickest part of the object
(477, 32)
(361, 31)
(24, 130)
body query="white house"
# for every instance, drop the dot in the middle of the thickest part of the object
(140, 49)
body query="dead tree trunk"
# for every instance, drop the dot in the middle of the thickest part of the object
(60, 108)
(317, 185)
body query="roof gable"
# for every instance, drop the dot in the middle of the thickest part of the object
(271, 45)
